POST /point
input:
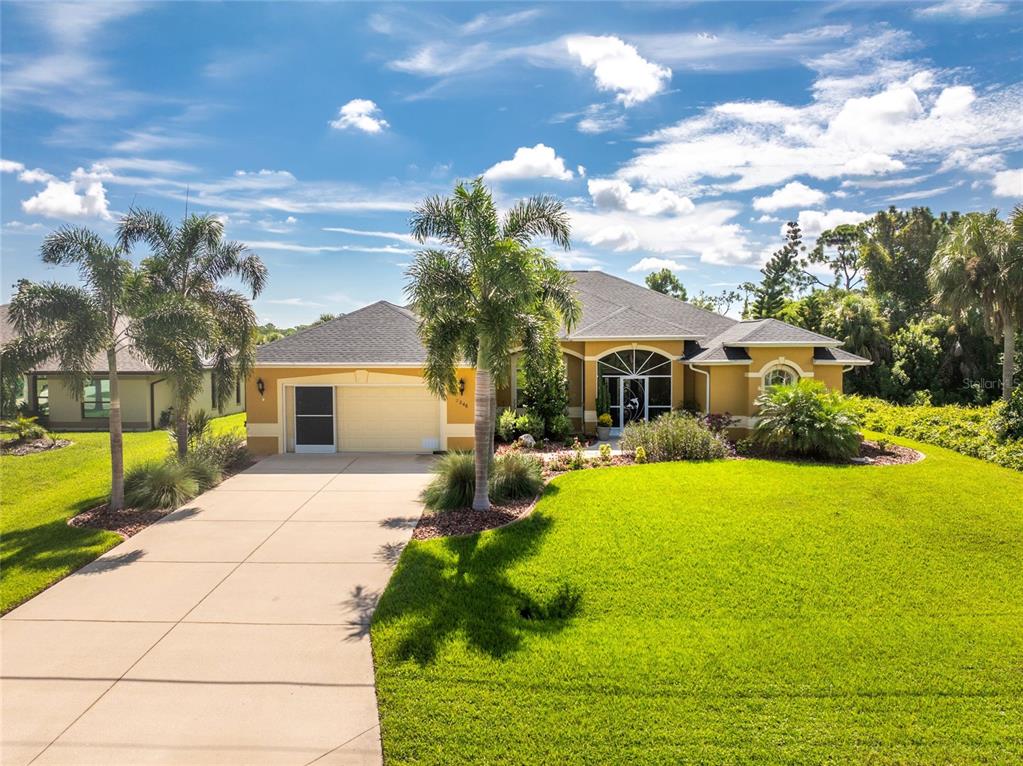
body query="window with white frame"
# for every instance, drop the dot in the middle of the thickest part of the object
(780, 375)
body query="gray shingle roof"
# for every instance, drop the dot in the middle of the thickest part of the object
(729, 354)
(768, 331)
(380, 333)
(613, 307)
(838, 356)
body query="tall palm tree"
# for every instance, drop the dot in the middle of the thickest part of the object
(485, 293)
(978, 266)
(76, 323)
(191, 320)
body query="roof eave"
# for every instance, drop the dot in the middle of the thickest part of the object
(782, 344)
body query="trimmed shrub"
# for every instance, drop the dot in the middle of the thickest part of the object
(515, 476)
(226, 451)
(204, 469)
(807, 419)
(1008, 420)
(157, 485)
(453, 484)
(605, 452)
(559, 427)
(506, 424)
(968, 430)
(640, 454)
(531, 424)
(673, 436)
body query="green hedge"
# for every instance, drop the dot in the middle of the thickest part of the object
(969, 430)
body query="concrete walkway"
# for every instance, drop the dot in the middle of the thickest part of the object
(233, 631)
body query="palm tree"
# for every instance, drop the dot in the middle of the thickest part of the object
(485, 293)
(191, 321)
(978, 266)
(76, 323)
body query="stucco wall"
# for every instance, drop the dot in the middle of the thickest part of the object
(66, 410)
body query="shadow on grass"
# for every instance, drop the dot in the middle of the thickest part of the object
(435, 597)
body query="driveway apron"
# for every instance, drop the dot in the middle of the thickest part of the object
(235, 630)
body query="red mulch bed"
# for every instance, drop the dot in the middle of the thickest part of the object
(469, 522)
(34, 446)
(126, 522)
(894, 454)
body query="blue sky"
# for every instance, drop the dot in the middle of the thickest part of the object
(678, 135)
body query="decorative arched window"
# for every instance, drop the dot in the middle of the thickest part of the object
(638, 384)
(780, 375)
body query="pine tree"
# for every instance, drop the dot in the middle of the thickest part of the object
(780, 275)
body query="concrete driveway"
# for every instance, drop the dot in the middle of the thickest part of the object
(233, 631)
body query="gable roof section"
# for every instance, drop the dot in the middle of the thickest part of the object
(380, 334)
(771, 332)
(613, 307)
(838, 356)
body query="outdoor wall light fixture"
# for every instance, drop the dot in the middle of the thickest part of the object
(461, 386)
(260, 386)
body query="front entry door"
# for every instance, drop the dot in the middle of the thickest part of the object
(314, 419)
(633, 400)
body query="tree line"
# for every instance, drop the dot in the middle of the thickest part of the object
(935, 301)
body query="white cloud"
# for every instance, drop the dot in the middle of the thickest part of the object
(921, 193)
(615, 238)
(793, 194)
(964, 9)
(953, 101)
(144, 165)
(972, 161)
(360, 114)
(494, 22)
(599, 118)
(10, 166)
(540, 161)
(1008, 183)
(813, 222)
(35, 176)
(765, 218)
(291, 302)
(618, 67)
(656, 264)
(614, 194)
(147, 140)
(408, 239)
(19, 226)
(69, 199)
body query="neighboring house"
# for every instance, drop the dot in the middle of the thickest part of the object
(146, 395)
(355, 383)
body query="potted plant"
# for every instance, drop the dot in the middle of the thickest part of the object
(603, 412)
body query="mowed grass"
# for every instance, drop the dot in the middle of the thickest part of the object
(39, 493)
(731, 612)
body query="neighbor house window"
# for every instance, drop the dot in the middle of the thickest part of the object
(42, 395)
(96, 398)
(780, 376)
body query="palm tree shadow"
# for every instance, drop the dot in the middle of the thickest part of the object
(433, 600)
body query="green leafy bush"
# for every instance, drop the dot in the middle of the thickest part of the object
(531, 424)
(559, 427)
(605, 452)
(24, 429)
(968, 430)
(226, 451)
(204, 469)
(156, 485)
(545, 385)
(1008, 420)
(506, 425)
(807, 419)
(515, 477)
(640, 454)
(673, 436)
(454, 482)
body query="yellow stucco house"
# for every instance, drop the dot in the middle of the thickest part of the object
(355, 383)
(146, 394)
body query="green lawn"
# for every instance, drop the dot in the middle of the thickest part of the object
(731, 612)
(41, 492)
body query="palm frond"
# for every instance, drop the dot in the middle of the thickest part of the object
(539, 216)
(146, 226)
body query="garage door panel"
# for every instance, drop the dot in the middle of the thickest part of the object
(388, 419)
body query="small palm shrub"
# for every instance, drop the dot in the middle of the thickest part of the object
(807, 419)
(24, 429)
(204, 469)
(453, 484)
(515, 476)
(157, 485)
(673, 436)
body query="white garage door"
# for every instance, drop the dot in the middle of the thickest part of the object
(388, 419)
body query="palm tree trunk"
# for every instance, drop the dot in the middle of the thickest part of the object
(181, 426)
(1008, 361)
(492, 417)
(483, 429)
(116, 436)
